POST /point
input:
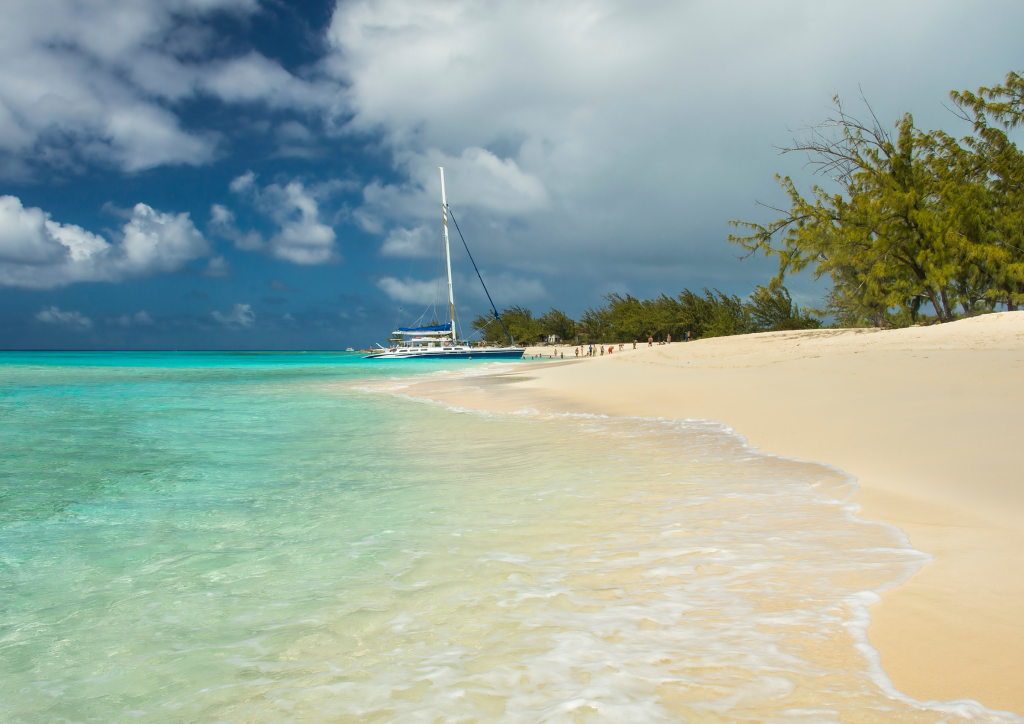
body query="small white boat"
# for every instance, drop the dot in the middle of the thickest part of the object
(441, 341)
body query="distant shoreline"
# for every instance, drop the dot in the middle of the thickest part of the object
(926, 418)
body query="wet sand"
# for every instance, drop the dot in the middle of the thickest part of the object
(927, 419)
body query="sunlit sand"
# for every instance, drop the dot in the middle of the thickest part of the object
(926, 418)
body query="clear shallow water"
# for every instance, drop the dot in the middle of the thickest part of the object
(254, 537)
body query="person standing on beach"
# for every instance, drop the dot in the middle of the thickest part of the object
(668, 339)
(650, 341)
(634, 344)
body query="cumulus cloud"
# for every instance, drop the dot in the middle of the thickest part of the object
(156, 242)
(409, 290)
(301, 236)
(241, 315)
(39, 253)
(54, 315)
(418, 242)
(99, 80)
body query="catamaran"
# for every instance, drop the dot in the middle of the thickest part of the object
(441, 341)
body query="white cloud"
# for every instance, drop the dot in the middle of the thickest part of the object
(242, 184)
(156, 242)
(241, 315)
(484, 182)
(253, 78)
(301, 238)
(410, 290)
(39, 253)
(98, 80)
(418, 242)
(28, 237)
(142, 136)
(54, 315)
(222, 223)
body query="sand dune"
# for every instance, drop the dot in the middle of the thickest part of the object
(927, 418)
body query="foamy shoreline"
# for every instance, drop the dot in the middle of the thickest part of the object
(925, 418)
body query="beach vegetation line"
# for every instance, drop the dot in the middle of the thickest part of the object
(710, 313)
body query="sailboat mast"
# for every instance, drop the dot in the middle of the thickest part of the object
(447, 253)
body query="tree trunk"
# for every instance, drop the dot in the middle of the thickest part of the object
(935, 303)
(947, 315)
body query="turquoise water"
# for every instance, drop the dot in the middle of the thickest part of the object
(261, 537)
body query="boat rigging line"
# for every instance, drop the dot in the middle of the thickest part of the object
(493, 308)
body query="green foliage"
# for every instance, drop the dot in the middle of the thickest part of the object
(713, 315)
(559, 323)
(518, 320)
(920, 217)
(623, 319)
(772, 310)
(708, 314)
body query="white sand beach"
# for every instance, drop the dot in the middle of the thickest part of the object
(927, 419)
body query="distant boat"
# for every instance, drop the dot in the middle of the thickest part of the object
(441, 341)
(349, 349)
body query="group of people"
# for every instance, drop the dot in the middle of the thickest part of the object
(594, 351)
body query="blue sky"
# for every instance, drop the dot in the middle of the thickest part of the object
(250, 174)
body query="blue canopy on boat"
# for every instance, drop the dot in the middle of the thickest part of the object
(438, 328)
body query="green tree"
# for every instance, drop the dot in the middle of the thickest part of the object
(992, 217)
(558, 323)
(518, 320)
(729, 316)
(919, 217)
(881, 237)
(595, 325)
(711, 314)
(772, 310)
